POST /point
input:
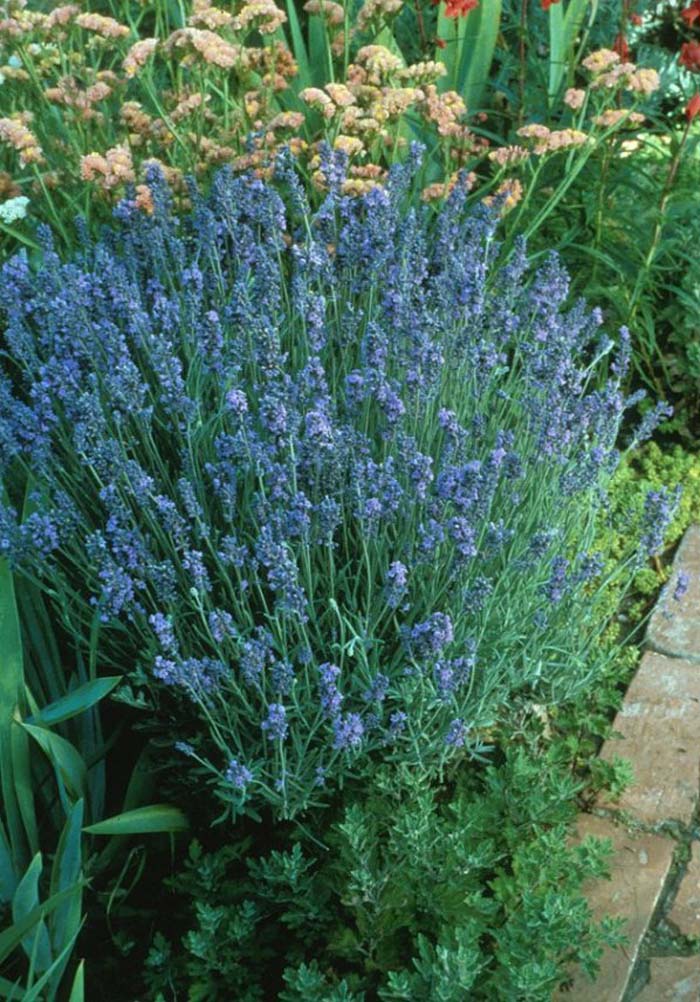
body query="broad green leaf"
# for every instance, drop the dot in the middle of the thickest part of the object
(301, 56)
(448, 32)
(24, 787)
(320, 61)
(8, 877)
(26, 900)
(476, 52)
(386, 38)
(66, 872)
(11, 687)
(469, 47)
(75, 702)
(36, 623)
(141, 821)
(77, 992)
(11, 938)
(11, 990)
(45, 672)
(141, 787)
(68, 763)
(563, 29)
(557, 45)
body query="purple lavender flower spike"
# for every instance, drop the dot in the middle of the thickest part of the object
(275, 725)
(237, 774)
(682, 585)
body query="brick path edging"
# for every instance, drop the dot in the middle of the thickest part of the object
(656, 822)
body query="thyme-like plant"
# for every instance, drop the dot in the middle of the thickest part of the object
(471, 891)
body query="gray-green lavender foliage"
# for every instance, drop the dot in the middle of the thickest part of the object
(324, 483)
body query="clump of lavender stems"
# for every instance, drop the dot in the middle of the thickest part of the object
(326, 481)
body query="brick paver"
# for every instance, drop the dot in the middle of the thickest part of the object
(674, 627)
(660, 726)
(685, 913)
(673, 979)
(639, 868)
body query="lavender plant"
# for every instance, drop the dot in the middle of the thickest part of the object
(323, 483)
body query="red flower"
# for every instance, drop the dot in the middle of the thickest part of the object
(621, 47)
(546, 4)
(692, 109)
(459, 8)
(691, 13)
(690, 56)
(636, 19)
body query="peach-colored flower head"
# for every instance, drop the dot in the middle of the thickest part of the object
(444, 110)
(395, 101)
(204, 15)
(433, 192)
(537, 134)
(600, 60)
(629, 147)
(61, 15)
(144, 199)
(111, 170)
(14, 132)
(318, 99)
(358, 186)
(12, 27)
(338, 44)
(264, 15)
(138, 122)
(428, 71)
(105, 27)
(286, 120)
(350, 145)
(211, 47)
(507, 156)
(378, 61)
(340, 95)
(332, 13)
(643, 81)
(563, 139)
(188, 104)
(377, 11)
(534, 131)
(613, 116)
(574, 98)
(507, 195)
(367, 171)
(442, 189)
(8, 188)
(138, 55)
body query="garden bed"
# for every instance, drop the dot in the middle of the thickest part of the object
(329, 519)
